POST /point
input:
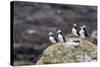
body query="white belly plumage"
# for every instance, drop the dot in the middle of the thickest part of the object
(74, 31)
(60, 37)
(82, 33)
(52, 40)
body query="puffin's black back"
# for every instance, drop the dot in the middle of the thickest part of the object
(63, 36)
(85, 32)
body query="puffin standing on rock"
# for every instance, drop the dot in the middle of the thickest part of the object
(60, 36)
(52, 38)
(75, 30)
(83, 32)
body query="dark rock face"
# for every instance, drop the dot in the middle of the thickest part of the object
(33, 21)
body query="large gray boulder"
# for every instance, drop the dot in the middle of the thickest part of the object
(71, 51)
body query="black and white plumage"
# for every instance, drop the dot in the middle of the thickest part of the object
(60, 36)
(82, 32)
(52, 38)
(75, 30)
(85, 31)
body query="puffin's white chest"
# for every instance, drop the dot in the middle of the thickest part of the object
(60, 37)
(74, 31)
(82, 33)
(52, 40)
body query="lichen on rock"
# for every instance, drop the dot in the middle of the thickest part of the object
(68, 52)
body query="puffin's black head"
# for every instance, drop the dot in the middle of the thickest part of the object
(59, 32)
(50, 34)
(81, 27)
(84, 27)
(74, 25)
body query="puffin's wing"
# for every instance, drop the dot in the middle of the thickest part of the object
(86, 34)
(56, 39)
(78, 32)
(63, 38)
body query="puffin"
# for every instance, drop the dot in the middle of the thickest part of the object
(75, 30)
(61, 38)
(52, 38)
(81, 32)
(85, 31)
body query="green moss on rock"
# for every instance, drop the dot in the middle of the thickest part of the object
(68, 52)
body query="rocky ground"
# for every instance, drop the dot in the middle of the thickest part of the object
(69, 52)
(33, 21)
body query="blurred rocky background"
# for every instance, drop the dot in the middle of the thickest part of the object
(33, 21)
